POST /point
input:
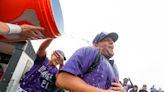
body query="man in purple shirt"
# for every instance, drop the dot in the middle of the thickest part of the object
(126, 85)
(39, 78)
(104, 78)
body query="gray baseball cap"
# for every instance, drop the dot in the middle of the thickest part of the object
(62, 53)
(99, 37)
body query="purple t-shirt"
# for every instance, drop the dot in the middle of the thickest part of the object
(39, 77)
(127, 87)
(100, 77)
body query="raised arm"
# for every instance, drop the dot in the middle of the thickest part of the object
(42, 49)
(24, 31)
(4, 29)
(130, 82)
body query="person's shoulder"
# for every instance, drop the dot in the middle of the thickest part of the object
(140, 90)
(88, 49)
(130, 90)
(39, 60)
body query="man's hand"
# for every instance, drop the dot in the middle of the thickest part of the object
(116, 86)
(31, 32)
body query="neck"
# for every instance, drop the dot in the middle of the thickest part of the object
(49, 62)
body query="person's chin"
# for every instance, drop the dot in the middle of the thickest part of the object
(53, 64)
(110, 54)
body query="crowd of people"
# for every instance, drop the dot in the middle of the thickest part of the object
(130, 87)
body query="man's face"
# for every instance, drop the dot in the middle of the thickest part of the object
(144, 87)
(125, 81)
(135, 88)
(56, 58)
(106, 46)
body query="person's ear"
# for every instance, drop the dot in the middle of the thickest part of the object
(96, 44)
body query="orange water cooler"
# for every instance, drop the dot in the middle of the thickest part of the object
(45, 13)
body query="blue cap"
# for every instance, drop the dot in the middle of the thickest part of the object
(62, 53)
(99, 37)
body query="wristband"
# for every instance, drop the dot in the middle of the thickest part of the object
(14, 29)
(11, 36)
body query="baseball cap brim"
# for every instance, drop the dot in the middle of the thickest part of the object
(62, 53)
(64, 58)
(113, 36)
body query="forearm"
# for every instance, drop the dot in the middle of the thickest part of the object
(8, 28)
(4, 29)
(74, 83)
(45, 44)
(131, 82)
(42, 49)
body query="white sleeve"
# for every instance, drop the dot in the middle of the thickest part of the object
(14, 29)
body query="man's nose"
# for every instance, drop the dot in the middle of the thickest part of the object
(111, 41)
